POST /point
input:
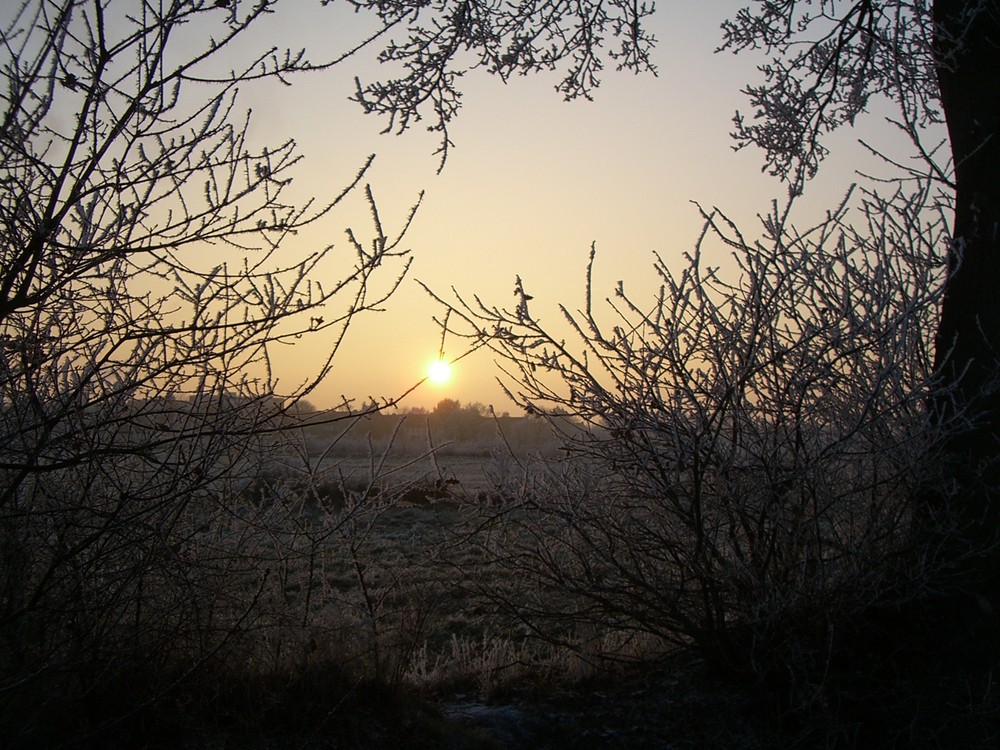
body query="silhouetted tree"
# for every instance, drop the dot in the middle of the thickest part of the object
(148, 271)
(935, 61)
(447, 406)
(679, 383)
(440, 42)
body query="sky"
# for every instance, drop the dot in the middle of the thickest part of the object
(531, 183)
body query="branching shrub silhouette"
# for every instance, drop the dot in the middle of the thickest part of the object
(147, 274)
(742, 453)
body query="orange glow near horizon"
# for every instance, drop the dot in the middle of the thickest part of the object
(525, 194)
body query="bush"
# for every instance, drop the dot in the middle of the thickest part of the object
(743, 455)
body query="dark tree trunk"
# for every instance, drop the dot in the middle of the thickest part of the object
(958, 628)
(967, 48)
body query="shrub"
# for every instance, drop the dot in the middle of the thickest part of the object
(742, 454)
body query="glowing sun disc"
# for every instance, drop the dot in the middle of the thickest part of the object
(439, 372)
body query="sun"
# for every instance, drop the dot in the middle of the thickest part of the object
(439, 372)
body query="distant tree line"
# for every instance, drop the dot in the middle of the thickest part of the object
(450, 428)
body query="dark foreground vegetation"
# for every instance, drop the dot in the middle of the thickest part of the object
(753, 506)
(366, 612)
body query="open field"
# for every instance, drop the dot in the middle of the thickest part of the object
(410, 573)
(463, 474)
(397, 558)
